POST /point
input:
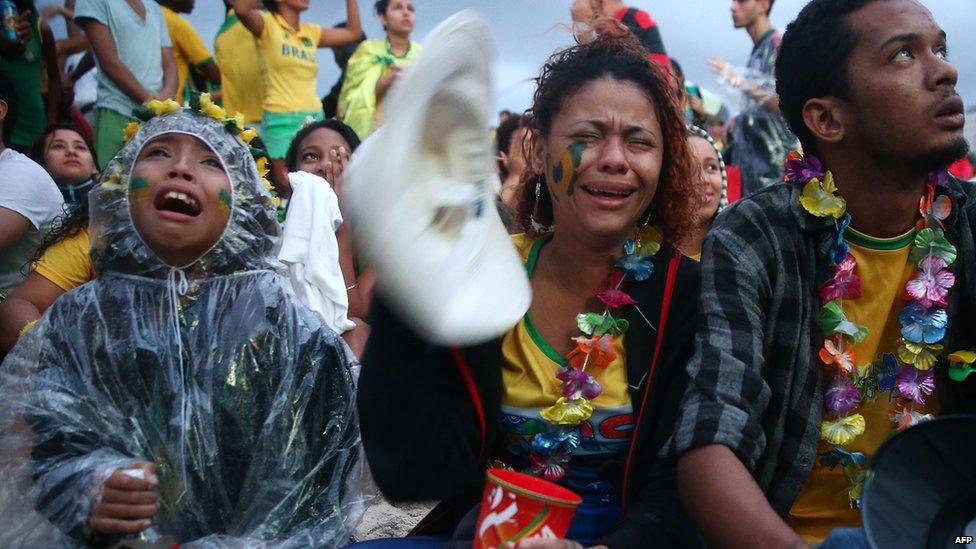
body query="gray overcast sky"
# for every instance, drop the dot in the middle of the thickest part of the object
(527, 31)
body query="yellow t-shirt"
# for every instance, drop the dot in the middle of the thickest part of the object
(884, 269)
(188, 48)
(240, 77)
(529, 383)
(67, 263)
(289, 65)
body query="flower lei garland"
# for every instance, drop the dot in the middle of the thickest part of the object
(552, 450)
(910, 377)
(202, 103)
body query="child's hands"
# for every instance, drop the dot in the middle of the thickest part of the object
(338, 160)
(128, 503)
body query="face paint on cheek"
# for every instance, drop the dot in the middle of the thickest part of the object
(139, 189)
(565, 172)
(224, 202)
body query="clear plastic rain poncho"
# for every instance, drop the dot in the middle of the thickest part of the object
(214, 372)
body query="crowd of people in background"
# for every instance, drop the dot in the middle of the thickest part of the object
(184, 310)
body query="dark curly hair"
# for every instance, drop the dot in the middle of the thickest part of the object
(622, 57)
(334, 124)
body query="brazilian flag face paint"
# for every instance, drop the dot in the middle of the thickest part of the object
(224, 198)
(565, 171)
(139, 189)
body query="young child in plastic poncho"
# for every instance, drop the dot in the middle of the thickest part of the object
(185, 394)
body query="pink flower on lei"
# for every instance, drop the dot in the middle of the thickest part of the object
(931, 284)
(844, 284)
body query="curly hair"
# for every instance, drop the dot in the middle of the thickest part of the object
(620, 56)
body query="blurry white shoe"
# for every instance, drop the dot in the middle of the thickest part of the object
(421, 199)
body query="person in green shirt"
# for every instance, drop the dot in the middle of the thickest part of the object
(22, 62)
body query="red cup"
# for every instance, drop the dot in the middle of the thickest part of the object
(517, 506)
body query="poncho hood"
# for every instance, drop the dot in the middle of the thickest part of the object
(251, 235)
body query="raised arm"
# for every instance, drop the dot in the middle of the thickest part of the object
(53, 68)
(170, 75)
(249, 16)
(108, 58)
(348, 35)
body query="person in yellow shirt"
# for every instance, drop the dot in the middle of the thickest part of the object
(287, 56)
(188, 48)
(62, 262)
(374, 67)
(241, 86)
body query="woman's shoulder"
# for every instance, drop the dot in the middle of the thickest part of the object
(525, 244)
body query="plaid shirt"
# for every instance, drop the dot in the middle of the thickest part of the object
(755, 376)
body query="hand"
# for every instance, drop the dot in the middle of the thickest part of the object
(128, 503)
(334, 168)
(386, 81)
(23, 27)
(697, 105)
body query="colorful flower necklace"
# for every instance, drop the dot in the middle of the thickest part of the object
(552, 450)
(910, 377)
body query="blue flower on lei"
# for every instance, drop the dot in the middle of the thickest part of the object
(633, 264)
(921, 325)
(839, 249)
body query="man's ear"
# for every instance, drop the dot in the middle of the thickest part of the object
(3, 112)
(825, 119)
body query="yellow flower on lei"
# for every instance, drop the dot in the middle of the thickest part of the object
(648, 240)
(842, 430)
(962, 357)
(568, 412)
(920, 355)
(211, 109)
(162, 107)
(248, 135)
(819, 199)
(130, 130)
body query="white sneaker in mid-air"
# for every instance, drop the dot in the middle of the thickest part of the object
(421, 197)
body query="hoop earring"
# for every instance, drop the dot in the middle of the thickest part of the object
(534, 218)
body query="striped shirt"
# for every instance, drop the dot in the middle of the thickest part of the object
(755, 376)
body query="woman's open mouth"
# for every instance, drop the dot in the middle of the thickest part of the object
(177, 206)
(608, 195)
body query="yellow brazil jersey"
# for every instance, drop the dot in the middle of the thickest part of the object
(188, 48)
(289, 65)
(529, 383)
(241, 84)
(884, 269)
(67, 263)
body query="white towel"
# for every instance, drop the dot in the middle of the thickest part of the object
(311, 251)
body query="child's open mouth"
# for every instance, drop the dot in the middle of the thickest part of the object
(180, 204)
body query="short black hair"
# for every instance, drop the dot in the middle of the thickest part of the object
(813, 59)
(8, 94)
(334, 124)
(380, 6)
(770, 10)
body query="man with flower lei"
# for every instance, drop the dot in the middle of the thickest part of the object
(836, 305)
